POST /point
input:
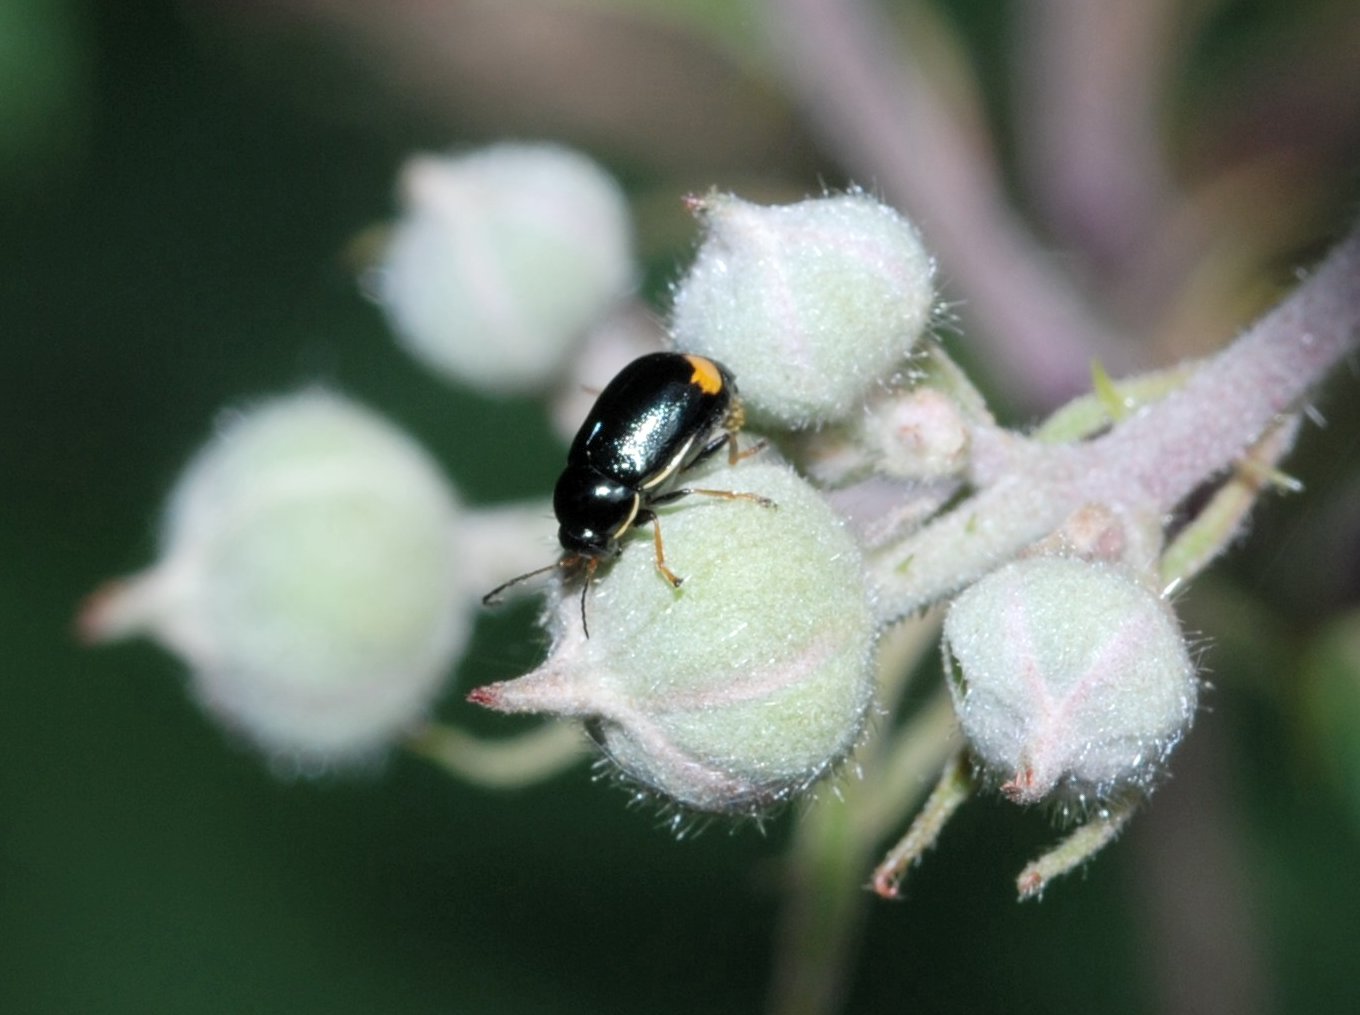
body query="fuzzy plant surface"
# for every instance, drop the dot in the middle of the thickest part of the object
(319, 576)
(318, 573)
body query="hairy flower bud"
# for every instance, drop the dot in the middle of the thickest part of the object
(502, 260)
(307, 578)
(810, 304)
(1068, 675)
(746, 683)
(920, 434)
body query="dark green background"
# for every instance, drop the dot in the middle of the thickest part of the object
(174, 232)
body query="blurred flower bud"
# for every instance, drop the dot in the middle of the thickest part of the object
(308, 578)
(502, 259)
(1068, 675)
(609, 348)
(809, 304)
(745, 684)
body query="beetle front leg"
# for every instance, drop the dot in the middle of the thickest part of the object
(671, 577)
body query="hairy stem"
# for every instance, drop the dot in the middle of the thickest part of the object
(505, 763)
(824, 905)
(1147, 464)
(1240, 393)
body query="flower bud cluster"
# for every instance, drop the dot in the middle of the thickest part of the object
(1068, 676)
(502, 260)
(307, 577)
(741, 686)
(310, 569)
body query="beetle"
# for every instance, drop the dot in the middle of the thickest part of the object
(662, 414)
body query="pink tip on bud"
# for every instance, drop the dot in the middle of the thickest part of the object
(91, 625)
(487, 697)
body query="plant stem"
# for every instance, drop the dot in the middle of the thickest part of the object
(893, 128)
(505, 763)
(1237, 395)
(1147, 464)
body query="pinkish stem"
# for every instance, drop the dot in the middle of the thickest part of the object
(892, 128)
(1148, 463)
(1203, 427)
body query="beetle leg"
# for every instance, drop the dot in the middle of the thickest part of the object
(712, 447)
(671, 577)
(734, 421)
(735, 454)
(754, 498)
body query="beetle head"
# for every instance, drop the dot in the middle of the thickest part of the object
(593, 511)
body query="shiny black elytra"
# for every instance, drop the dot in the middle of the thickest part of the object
(660, 415)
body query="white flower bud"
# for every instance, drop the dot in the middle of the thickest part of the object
(308, 578)
(502, 260)
(810, 304)
(742, 686)
(1068, 676)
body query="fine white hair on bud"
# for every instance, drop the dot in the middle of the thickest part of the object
(1068, 676)
(308, 579)
(501, 261)
(744, 685)
(811, 304)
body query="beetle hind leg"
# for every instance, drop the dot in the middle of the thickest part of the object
(754, 498)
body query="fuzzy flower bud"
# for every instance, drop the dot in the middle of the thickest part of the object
(742, 686)
(307, 578)
(810, 304)
(1068, 675)
(920, 434)
(502, 260)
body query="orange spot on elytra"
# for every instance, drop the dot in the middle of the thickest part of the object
(705, 375)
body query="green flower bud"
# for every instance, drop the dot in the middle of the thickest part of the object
(742, 686)
(811, 304)
(308, 578)
(1068, 676)
(502, 260)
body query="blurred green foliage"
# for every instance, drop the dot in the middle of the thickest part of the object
(44, 87)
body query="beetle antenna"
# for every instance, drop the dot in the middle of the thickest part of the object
(493, 597)
(591, 564)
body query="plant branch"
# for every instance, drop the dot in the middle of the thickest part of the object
(1240, 393)
(892, 128)
(1090, 80)
(1147, 464)
(506, 763)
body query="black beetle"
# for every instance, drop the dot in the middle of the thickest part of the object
(660, 415)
